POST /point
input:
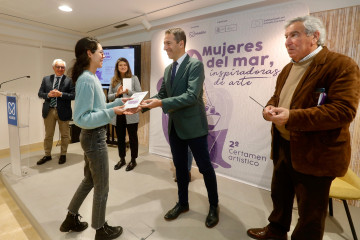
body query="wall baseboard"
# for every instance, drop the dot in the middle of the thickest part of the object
(25, 149)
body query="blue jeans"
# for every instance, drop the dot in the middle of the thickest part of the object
(96, 175)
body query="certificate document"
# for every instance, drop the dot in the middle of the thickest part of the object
(127, 84)
(136, 100)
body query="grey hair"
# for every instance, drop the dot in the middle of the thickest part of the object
(311, 24)
(58, 60)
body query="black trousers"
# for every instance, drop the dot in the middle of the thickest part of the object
(199, 148)
(312, 194)
(121, 127)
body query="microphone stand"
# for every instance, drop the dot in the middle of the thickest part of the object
(14, 80)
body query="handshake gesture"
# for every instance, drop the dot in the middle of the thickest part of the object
(149, 103)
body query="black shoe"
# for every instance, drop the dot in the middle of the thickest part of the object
(108, 232)
(213, 217)
(44, 160)
(120, 164)
(131, 165)
(176, 211)
(72, 223)
(62, 159)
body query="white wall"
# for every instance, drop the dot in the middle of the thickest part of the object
(27, 50)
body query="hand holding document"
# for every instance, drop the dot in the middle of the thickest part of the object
(130, 111)
(120, 110)
(136, 100)
(124, 100)
(151, 103)
(127, 84)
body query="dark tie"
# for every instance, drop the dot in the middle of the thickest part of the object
(56, 86)
(173, 72)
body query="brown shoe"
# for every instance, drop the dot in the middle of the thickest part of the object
(265, 234)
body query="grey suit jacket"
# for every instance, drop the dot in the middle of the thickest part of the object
(135, 85)
(63, 103)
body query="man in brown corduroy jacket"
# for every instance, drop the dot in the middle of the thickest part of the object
(315, 100)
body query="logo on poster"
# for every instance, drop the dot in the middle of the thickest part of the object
(194, 33)
(257, 23)
(107, 55)
(226, 28)
(11, 108)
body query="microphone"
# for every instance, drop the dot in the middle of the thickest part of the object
(14, 79)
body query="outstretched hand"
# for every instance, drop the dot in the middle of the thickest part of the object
(151, 103)
(120, 110)
(130, 111)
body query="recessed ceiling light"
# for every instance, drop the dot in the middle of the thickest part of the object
(65, 8)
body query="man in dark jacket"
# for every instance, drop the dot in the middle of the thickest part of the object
(58, 91)
(181, 96)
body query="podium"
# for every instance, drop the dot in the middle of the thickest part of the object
(16, 121)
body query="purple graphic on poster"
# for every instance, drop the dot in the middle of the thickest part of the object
(218, 106)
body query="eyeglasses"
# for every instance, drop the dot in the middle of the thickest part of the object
(59, 67)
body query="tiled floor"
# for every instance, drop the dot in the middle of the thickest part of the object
(138, 200)
(13, 224)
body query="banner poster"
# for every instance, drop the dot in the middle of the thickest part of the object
(243, 54)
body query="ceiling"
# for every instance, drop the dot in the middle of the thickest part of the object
(99, 18)
(94, 17)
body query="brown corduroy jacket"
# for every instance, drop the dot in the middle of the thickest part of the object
(319, 135)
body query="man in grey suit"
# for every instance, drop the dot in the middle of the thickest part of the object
(58, 91)
(181, 96)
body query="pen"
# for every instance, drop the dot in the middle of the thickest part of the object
(257, 102)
